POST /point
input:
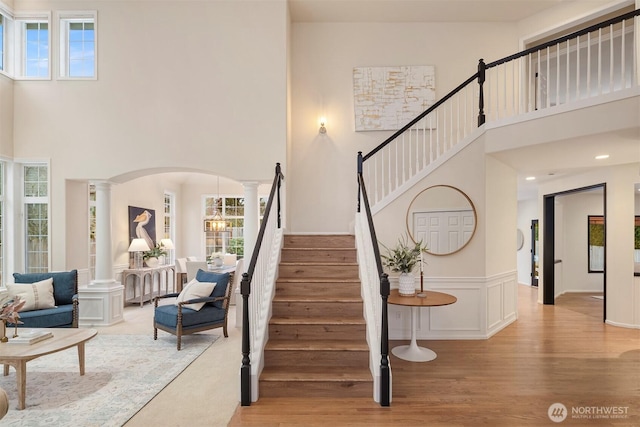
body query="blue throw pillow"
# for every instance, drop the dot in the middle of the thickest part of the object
(221, 280)
(64, 283)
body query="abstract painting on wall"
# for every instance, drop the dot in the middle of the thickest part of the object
(387, 98)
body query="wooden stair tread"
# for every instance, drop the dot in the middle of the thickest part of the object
(326, 374)
(319, 248)
(321, 262)
(315, 345)
(300, 320)
(319, 299)
(316, 280)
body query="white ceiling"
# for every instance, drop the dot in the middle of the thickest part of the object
(416, 10)
(556, 159)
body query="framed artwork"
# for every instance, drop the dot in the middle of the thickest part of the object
(142, 225)
(596, 239)
(387, 98)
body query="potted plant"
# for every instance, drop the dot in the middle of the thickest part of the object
(151, 256)
(402, 259)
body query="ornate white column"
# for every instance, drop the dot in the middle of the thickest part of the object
(251, 227)
(102, 301)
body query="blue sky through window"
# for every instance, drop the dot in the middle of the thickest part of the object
(1, 42)
(81, 49)
(37, 49)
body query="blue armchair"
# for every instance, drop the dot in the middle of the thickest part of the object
(178, 319)
(65, 293)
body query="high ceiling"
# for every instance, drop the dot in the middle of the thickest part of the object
(416, 10)
(545, 162)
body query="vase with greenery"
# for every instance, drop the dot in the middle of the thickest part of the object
(151, 256)
(402, 259)
(216, 259)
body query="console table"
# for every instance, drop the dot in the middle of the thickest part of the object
(141, 277)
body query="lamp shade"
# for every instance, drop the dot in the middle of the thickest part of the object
(167, 243)
(138, 245)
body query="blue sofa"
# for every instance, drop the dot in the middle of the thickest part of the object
(65, 293)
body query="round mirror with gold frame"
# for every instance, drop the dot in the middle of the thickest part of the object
(443, 218)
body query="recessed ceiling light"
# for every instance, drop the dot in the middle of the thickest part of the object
(530, 178)
(602, 156)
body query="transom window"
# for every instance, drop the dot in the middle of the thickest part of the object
(78, 46)
(1, 42)
(36, 57)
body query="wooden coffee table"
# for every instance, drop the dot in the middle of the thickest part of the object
(17, 355)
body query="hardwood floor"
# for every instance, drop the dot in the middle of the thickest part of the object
(551, 354)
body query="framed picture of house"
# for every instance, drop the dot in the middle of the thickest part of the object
(142, 225)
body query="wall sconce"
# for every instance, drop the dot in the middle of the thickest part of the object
(323, 122)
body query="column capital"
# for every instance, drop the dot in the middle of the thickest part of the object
(250, 184)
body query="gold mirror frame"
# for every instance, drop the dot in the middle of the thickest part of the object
(410, 212)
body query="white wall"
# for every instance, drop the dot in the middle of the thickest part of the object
(6, 116)
(576, 207)
(323, 167)
(191, 86)
(527, 211)
(565, 15)
(623, 305)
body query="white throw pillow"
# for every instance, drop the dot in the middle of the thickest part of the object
(38, 295)
(193, 290)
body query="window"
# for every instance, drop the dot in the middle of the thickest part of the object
(232, 211)
(169, 221)
(1, 42)
(36, 217)
(36, 49)
(32, 47)
(78, 56)
(92, 231)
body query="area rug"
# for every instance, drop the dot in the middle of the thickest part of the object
(122, 374)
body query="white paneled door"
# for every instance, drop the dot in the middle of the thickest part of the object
(443, 231)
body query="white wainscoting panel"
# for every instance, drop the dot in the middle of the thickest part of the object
(502, 301)
(485, 305)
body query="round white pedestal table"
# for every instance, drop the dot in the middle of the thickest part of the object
(413, 352)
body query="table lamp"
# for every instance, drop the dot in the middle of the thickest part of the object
(168, 245)
(138, 246)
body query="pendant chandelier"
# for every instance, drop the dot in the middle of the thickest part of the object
(217, 223)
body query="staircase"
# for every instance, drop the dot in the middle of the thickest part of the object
(317, 345)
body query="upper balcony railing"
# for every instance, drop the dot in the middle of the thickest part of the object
(592, 62)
